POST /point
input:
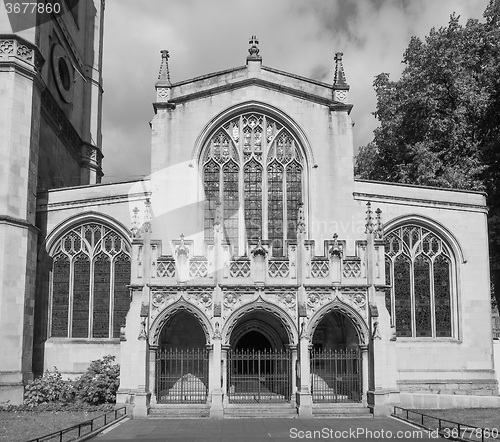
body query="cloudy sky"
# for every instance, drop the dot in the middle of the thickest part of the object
(297, 36)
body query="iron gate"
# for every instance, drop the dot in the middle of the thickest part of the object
(259, 376)
(336, 376)
(181, 376)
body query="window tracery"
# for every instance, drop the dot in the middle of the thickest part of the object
(254, 162)
(90, 274)
(419, 270)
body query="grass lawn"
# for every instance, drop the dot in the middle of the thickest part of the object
(20, 426)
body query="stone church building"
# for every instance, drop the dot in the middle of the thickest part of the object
(251, 271)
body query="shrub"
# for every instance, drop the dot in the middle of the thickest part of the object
(49, 388)
(100, 383)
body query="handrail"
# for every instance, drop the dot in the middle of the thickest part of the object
(87, 423)
(458, 431)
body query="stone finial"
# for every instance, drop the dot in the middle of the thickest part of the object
(164, 74)
(254, 50)
(301, 222)
(369, 218)
(379, 231)
(218, 226)
(335, 250)
(135, 223)
(182, 249)
(146, 227)
(339, 77)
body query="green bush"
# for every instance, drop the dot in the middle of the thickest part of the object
(97, 386)
(49, 388)
(100, 383)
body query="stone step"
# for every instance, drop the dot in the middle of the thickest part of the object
(346, 410)
(179, 411)
(281, 411)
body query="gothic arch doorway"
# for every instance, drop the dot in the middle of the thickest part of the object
(259, 368)
(181, 361)
(336, 361)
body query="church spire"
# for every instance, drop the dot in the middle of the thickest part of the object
(340, 86)
(339, 77)
(164, 74)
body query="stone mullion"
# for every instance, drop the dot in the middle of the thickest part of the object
(265, 152)
(111, 295)
(285, 208)
(412, 298)
(91, 296)
(432, 300)
(71, 292)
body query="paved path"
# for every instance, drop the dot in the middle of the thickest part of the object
(241, 430)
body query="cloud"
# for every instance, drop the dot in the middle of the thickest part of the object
(297, 36)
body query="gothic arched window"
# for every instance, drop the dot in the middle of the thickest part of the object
(254, 168)
(90, 275)
(419, 269)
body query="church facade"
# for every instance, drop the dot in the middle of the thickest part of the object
(253, 270)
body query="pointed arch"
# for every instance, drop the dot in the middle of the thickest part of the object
(356, 319)
(422, 260)
(259, 305)
(180, 305)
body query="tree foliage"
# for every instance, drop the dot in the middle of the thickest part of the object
(440, 122)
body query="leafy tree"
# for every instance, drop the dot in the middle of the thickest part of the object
(440, 122)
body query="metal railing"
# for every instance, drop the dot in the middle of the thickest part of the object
(259, 376)
(447, 428)
(336, 376)
(77, 431)
(181, 376)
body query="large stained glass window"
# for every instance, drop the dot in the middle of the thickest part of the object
(253, 163)
(90, 274)
(419, 270)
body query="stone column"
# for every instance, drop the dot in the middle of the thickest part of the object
(152, 374)
(304, 397)
(216, 408)
(294, 359)
(225, 349)
(365, 372)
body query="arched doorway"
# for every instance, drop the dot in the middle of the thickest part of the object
(259, 360)
(181, 361)
(336, 362)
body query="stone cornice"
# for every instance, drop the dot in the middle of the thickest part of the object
(332, 105)
(98, 200)
(415, 201)
(6, 219)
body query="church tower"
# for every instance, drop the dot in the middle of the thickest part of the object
(50, 132)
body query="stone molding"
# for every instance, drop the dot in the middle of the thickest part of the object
(13, 46)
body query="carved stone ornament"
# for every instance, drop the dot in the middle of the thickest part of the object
(230, 299)
(335, 250)
(314, 300)
(259, 250)
(216, 334)
(376, 332)
(143, 335)
(289, 299)
(182, 249)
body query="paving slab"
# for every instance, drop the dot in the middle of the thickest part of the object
(242, 430)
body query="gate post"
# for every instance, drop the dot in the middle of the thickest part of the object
(152, 374)
(225, 349)
(364, 372)
(216, 408)
(294, 374)
(304, 397)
